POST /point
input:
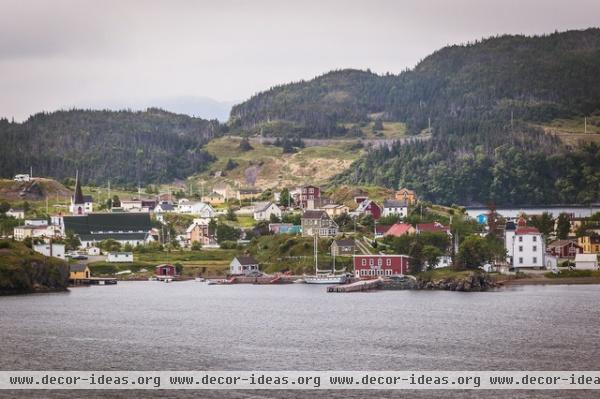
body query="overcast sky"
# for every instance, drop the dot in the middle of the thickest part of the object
(61, 53)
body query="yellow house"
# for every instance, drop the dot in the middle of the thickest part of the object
(213, 198)
(590, 244)
(79, 272)
(404, 194)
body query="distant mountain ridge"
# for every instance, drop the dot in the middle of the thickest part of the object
(536, 78)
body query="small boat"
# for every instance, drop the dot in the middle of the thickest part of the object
(199, 279)
(152, 278)
(220, 282)
(324, 276)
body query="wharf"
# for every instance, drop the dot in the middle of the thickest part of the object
(358, 286)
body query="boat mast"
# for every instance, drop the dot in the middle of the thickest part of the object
(333, 268)
(316, 254)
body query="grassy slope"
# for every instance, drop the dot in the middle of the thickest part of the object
(391, 130)
(572, 131)
(275, 169)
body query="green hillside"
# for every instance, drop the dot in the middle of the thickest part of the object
(128, 147)
(23, 271)
(505, 113)
(537, 78)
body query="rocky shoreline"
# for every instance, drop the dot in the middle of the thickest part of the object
(475, 282)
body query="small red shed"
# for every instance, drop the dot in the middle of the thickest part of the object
(165, 270)
(373, 266)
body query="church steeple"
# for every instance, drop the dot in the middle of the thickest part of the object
(78, 199)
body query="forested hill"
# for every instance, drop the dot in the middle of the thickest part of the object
(128, 147)
(536, 78)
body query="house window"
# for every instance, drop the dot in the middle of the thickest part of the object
(371, 262)
(534, 259)
(388, 262)
(379, 262)
(534, 238)
(364, 262)
(521, 260)
(534, 248)
(520, 238)
(520, 248)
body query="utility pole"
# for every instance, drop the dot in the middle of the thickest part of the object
(585, 124)
(512, 119)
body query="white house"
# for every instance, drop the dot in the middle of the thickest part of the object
(263, 211)
(16, 213)
(442, 261)
(133, 205)
(586, 262)
(54, 250)
(119, 257)
(394, 207)
(161, 209)
(243, 265)
(200, 209)
(93, 251)
(524, 245)
(36, 222)
(22, 177)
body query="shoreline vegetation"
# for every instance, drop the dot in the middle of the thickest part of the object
(23, 271)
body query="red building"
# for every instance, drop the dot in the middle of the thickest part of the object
(165, 270)
(564, 248)
(307, 193)
(369, 207)
(373, 266)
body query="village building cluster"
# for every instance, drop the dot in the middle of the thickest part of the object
(140, 221)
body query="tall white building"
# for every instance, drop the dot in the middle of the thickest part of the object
(525, 247)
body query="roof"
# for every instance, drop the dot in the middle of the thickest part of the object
(166, 207)
(113, 236)
(315, 214)
(214, 195)
(406, 190)
(249, 191)
(527, 230)
(246, 260)
(399, 229)
(434, 227)
(561, 243)
(344, 243)
(107, 222)
(263, 206)
(80, 267)
(362, 207)
(16, 210)
(333, 206)
(78, 197)
(586, 258)
(394, 204)
(382, 228)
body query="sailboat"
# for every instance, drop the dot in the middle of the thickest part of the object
(324, 276)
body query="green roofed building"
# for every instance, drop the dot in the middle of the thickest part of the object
(126, 228)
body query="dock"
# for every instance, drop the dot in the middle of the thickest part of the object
(358, 286)
(94, 281)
